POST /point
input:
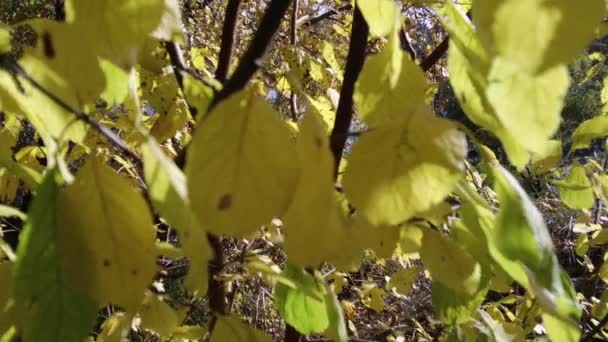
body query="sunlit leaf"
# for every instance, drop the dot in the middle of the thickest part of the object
(97, 227)
(241, 154)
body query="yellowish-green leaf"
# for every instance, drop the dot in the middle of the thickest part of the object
(403, 280)
(397, 172)
(328, 53)
(241, 167)
(47, 306)
(6, 211)
(381, 16)
(582, 245)
(46, 116)
(372, 296)
(5, 39)
(6, 296)
(576, 191)
(314, 216)
(126, 25)
(389, 88)
(528, 105)
(588, 130)
(169, 194)
(156, 315)
(115, 328)
(561, 330)
(306, 314)
(97, 228)
(522, 236)
(547, 159)
(564, 28)
(232, 329)
(449, 263)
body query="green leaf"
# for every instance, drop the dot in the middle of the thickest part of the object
(452, 306)
(232, 329)
(521, 235)
(337, 326)
(98, 226)
(576, 191)
(449, 264)
(169, 195)
(242, 154)
(48, 308)
(6, 296)
(589, 130)
(306, 314)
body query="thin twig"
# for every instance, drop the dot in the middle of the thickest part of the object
(596, 329)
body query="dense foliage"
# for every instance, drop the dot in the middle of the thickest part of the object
(334, 170)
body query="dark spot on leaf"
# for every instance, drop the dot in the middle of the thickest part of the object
(225, 202)
(134, 273)
(47, 45)
(464, 98)
(106, 262)
(318, 142)
(194, 111)
(143, 84)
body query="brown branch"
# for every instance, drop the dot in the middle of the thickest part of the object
(293, 103)
(314, 20)
(177, 61)
(354, 65)
(228, 38)
(596, 329)
(251, 61)
(436, 55)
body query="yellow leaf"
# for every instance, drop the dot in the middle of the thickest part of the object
(101, 216)
(240, 166)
